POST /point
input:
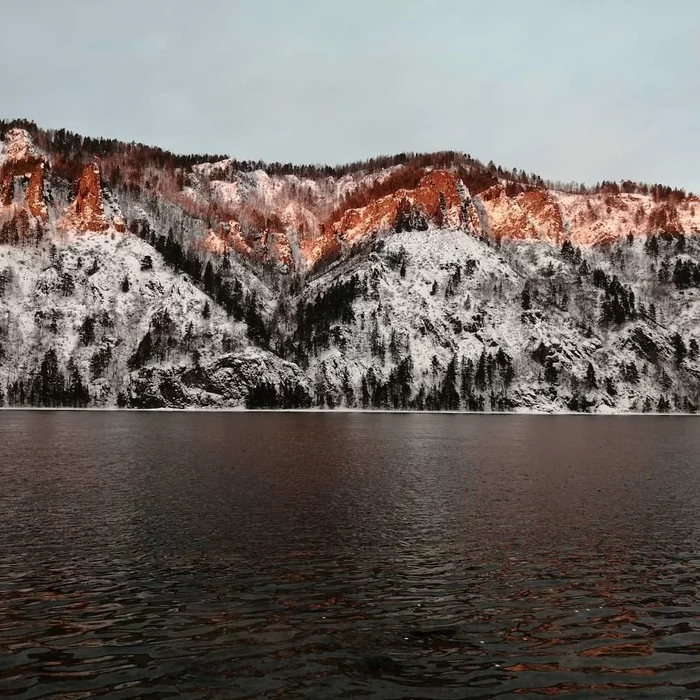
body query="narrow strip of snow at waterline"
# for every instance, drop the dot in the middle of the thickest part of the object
(348, 411)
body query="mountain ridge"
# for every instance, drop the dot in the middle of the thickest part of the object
(256, 213)
(133, 277)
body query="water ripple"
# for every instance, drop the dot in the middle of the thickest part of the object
(417, 573)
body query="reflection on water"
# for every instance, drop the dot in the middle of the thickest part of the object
(323, 556)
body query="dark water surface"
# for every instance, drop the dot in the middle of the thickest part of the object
(346, 555)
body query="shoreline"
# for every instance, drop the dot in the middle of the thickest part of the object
(340, 411)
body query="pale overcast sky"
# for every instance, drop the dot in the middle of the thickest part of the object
(572, 89)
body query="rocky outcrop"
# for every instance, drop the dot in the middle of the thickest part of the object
(86, 212)
(31, 176)
(533, 214)
(505, 218)
(544, 214)
(314, 222)
(259, 239)
(436, 199)
(22, 164)
(225, 382)
(301, 222)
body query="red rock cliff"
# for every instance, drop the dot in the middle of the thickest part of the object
(20, 159)
(86, 212)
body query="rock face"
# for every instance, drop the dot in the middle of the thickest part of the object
(21, 164)
(542, 210)
(93, 209)
(86, 212)
(264, 244)
(225, 382)
(296, 236)
(35, 193)
(31, 175)
(300, 224)
(436, 200)
(299, 236)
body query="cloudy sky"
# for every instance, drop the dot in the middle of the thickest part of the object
(574, 90)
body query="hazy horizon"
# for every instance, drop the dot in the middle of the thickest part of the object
(574, 92)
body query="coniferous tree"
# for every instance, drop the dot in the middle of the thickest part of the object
(100, 361)
(86, 333)
(67, 284)
(364, 391)
(77, 394)
(663, 406)
(679, 348)
(5, 279)
(144, 352)
(449, 398)
(652, 246)
(466, 380)
(630, 373)
(480, 374)
(505, 367)
(208, 279)
(49, 384)
(394, 349)
(567, 251)
(262, 395)
(257, 331)
(591, 382)
(404, 377)
(348, 391)
(551, 374)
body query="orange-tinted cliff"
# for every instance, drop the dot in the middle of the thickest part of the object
(436, 199)
(314, 215)
(23, 165)
(86, 212)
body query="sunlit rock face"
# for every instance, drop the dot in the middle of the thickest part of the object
(22, 168)
(299, 223)
(436, 200)
(86, 212)
(302, 232)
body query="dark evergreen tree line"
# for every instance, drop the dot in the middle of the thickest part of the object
(49, 387)
(686, 274)
(228, 293)
(287, 395)
(314, 318)
(619, 303)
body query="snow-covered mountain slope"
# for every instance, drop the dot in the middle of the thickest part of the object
(109, 316)
(426, 299)
(132, 277)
